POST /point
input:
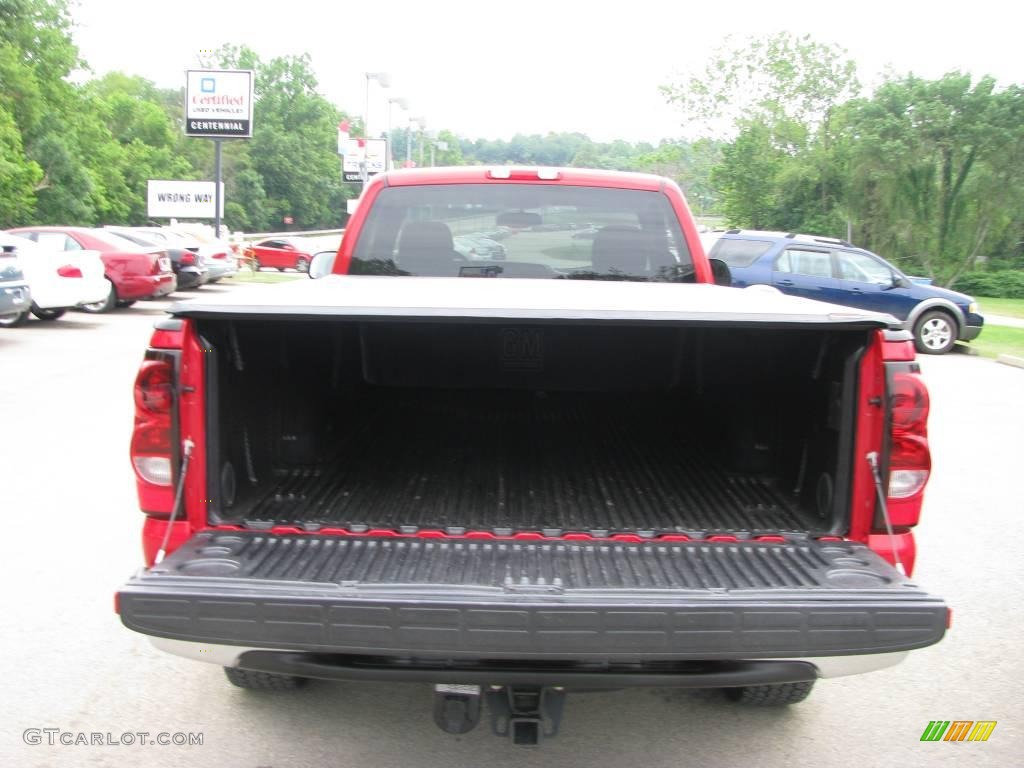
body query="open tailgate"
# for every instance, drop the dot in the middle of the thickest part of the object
(532, 599)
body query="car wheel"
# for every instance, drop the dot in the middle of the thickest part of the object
(13, 321)
(47, 314)
(262, 681)
(302, 265)
(778, 695)
(280, 269)
(106, 304)
(935, 333)
(123, 304)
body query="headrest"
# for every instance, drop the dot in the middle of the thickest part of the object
(425, 236)
(620, 249)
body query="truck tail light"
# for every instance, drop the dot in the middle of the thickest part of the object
(909, 466)
(909, 458)
(152, 446)
(69, 271)
(188, 259)
(154, 387)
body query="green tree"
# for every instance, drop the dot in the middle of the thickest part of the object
(776, 97)
(294, 146)
(937, 170)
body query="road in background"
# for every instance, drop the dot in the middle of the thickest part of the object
(70, 537)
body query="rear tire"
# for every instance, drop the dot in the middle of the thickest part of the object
(262, 681)
(13, 321)
(47, 314)
(935, 333)
(124, 304)
(105, 305)
(778, 695)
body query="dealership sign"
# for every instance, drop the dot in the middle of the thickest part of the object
(182, 199)
(362, 158)
(218, 103)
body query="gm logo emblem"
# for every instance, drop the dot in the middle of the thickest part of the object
(522, 349)
(208, 85)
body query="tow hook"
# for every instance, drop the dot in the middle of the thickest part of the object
(456, 707)
(526, 713)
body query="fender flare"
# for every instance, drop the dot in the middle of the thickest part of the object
(935, 303)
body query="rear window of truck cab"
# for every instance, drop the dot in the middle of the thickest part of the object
(522, 230)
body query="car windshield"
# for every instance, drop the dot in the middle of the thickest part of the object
(522, 230)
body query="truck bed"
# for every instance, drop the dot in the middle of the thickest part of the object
(512, 461)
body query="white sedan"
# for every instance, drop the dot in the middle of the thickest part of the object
(58, 280)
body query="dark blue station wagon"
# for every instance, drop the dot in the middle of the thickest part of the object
(835, 271)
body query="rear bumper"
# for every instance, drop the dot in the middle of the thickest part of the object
(480, 600)
(15, 298)
(222, 268)
(190, 277)
(131, 287)
(342, 667)
(71, 292)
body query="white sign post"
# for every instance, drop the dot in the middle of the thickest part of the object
(218, 103)
(362, 158)
(182, 199)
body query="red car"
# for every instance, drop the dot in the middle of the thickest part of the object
(280, 252)
(133, 272)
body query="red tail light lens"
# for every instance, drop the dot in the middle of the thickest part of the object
(152, 448)
(910, 464)
(154, 387)
(187, 260)
(151, 453)
(909, 404)
(69, 271)
(910, 460)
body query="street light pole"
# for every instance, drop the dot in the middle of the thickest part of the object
(421, 123)
(385, 81)
(404, 104)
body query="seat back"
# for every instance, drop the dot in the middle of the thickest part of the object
(632, 252)
(426, 248)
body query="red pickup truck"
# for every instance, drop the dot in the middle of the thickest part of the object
(582, 466)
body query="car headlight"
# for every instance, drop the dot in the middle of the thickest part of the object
(972, 308)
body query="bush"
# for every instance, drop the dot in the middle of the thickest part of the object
(1005, 284)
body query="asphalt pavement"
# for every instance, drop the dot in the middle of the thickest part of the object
(70, 537)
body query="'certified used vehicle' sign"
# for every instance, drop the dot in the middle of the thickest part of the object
(218, 103)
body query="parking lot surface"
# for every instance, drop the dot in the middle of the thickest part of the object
(71, 536)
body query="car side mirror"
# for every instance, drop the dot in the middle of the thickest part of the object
(322, 264)
(720, 272)
(897, 282)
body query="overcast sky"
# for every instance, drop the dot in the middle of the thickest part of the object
(486, 69)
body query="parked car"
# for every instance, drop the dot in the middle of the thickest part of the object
(186, 262)
(58, 280)
(281, 253)
(133, 272)
(219, 256)
(15, 296)
(838, 272)
(479, 247)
